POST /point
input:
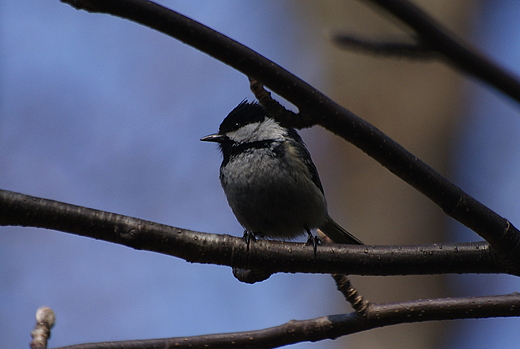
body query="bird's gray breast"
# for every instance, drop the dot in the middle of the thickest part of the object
(271, 191)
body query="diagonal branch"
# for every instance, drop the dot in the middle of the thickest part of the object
(263, 255)
(334, 326)
(319, 109)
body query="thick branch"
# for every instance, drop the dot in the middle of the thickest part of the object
(268, 256)
(333, 326)
(500, 233)
(460, 54)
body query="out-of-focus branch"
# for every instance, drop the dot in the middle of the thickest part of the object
(262, 255)
(459, 54)
(333, 326)
(387, 48)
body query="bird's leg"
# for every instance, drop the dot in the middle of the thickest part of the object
(250, 276)
(313, 241)
(248, 237)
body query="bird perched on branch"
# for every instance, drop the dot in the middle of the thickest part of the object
(269, 178)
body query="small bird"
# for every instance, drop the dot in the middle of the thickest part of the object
(269, 179)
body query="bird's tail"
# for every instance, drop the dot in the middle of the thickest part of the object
(337, 234)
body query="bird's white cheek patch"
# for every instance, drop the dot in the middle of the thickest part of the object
(258, 131)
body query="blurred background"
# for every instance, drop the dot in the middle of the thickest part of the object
(101, 112)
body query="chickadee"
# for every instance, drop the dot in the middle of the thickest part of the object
(269, 179)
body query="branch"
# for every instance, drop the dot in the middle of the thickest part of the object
(334, 326)
(263, 255)
(45, 320)
(460, 54)
(352, 296)
(416, 50)
(499, 232)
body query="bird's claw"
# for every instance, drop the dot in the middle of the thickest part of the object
(248, 237)
(313, 241)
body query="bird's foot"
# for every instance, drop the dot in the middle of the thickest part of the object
(248, 237)
(313, 241)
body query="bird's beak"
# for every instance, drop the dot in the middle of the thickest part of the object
(217, 137)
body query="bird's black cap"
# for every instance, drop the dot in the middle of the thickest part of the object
(245, 113)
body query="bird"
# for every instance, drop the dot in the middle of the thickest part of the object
(269, 179)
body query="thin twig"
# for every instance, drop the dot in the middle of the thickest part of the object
(276, 110)
(45, 320)
(352, 296)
